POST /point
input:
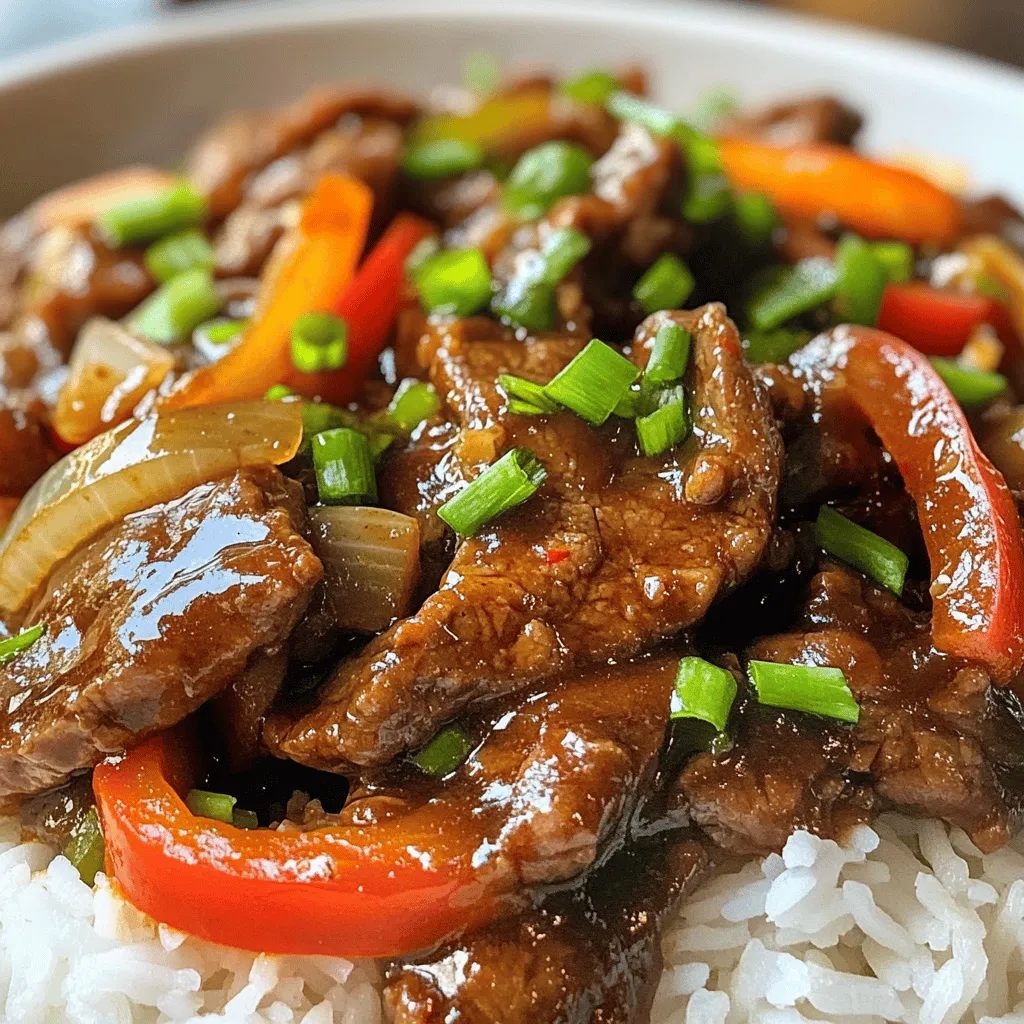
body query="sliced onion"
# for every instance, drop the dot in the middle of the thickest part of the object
(110, 371)
(372, 562)
(79, 204)
(136, 465)
(992, 256)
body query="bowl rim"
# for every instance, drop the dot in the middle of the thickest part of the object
(762, 28)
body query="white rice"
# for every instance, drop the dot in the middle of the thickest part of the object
(908, 923)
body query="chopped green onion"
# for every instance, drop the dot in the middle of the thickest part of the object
(593, 383)
(244, 819)
(444, 753)
(456, 281)
(526, 391)
(897, 258)
(628, 406)
(795, 290)
(970, 387)
(85, 847)
(413, 402)
(319, 416)
(703, 691)
(666, 426)
(859, 547)
(627, 106)
(442, 158)
(862, 279)
(666, 284)
(220, 332)
(379, 444)
(773, 346)
(187, 250)
(669, 354)
(506, 483)
(755, 215)
(149, 217)
(422, 251)
(14, 645)
(203, 804)
(708, 197)
(319, 342)
(530, 304)
(815, 689)
(481, 72)
(278, 392)
(343, 463)
(712, 106)
(592, 87)
(546, 173)
(175, 309)
(561, 251)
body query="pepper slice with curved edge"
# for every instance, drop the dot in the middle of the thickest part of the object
(966, 512)
(369, 306)
(876, 200)
(938, 322)
(391, 888)
(333, 229)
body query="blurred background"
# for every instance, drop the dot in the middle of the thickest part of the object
(990, 28)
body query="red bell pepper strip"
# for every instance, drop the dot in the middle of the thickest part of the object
(333, 229)
(369, 306)
(874, 199)
(966, 512)
(938, 322)
(388, 889)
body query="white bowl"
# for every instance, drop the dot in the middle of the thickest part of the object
(144, 93)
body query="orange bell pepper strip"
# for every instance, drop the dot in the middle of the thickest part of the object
(967, 514)
(333, 230)
(386, 889)
(872, 198)
(369, 306)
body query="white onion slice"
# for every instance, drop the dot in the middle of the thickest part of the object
(371, 560)
(109, 373)
(134, 466)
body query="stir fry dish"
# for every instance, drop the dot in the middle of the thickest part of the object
(443, 530)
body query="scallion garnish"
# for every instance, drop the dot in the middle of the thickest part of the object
(628, 406)
(510, 481)
(627, 106)
(85, 847)
(319, 342)
(527, 393)
(343, 463)
(816, 689)
(528, 303)
(897, 258)
(593, 87)
(243, 819)
(320, 416)
(669, 355)
(444, 753)
(666, 284)
(481, 71)
(708, 197)
(278, 392)
(703, 691)
(413, 402)
(175, 309)
(204, 804)
(422, 251)
(546, 173)
(186, 250)
(774, 346)
(441, 158)
(14, 645)
(666, 426)
(711, 107)
(594, 382)
(561, 251)
(862, 279)
(859, 547)
(794, 290)
(153, 216)
(456, 281)
(755, 215)
(970, 387)
(213, 339)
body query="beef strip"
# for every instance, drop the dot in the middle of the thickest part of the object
(648, 543)
(147, 622)
(245, 143)
(590, 956)
(799, 122)
(933, 738)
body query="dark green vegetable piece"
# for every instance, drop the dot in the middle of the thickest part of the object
(593, 87)
(669, 356)
(897, 258)
(864, 550)
(775, 346)
(546, 173)
(343, 462)
(204, 804)
(444, 753)
(795, 290)
(244, 819)
(666, 426)
(526, 391)
(708, 197)
(85, 847)
(862, 279)
(755, 215)
(414, 402)
(970, 387)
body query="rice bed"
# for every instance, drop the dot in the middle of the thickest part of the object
(910, 922)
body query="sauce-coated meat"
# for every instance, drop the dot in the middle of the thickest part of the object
(649, 544)
(147, 622)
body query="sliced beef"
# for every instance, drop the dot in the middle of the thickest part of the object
(814, 119)
(224, 158)
(26, 451)
(147, 622)
(643, 548)
(591, 956)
